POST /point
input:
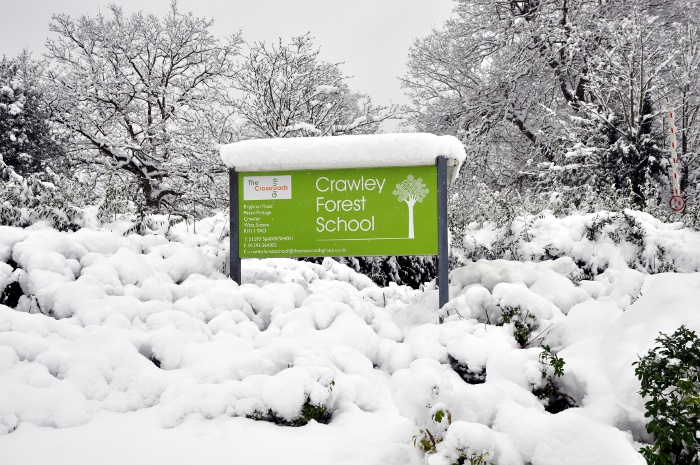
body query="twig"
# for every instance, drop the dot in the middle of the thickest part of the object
(538, 336)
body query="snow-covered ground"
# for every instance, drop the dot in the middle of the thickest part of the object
(140, 350)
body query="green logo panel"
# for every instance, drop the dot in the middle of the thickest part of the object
(345, 212)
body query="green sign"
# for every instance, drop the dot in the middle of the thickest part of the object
(345, 212)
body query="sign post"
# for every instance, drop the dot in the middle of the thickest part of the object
(677, 202)
(365, 195)
(234, 252)
(345, 212)
(443, 272)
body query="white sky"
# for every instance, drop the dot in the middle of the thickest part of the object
(371, 37)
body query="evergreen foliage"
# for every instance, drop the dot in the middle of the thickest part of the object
(523, 323)
(670, 384)
(310, 411)
(27, 144)
(25, 200)
(405, 270)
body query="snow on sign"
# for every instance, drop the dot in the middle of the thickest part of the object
(377, 211)
(325, 153)
(343, 195)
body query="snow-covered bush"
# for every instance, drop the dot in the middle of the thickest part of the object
(318, 410)
(476, 205)
(98, 327)
(422, 392)
(25, 200)
(61, 203)
(595, 241)
(552, 368)
(414, 271)
(523, 323)
(468, 443)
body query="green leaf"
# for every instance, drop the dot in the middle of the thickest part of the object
(439, 415)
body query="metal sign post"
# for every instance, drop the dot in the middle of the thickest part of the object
(442, 278)
(346, 212)
(677, 202)
(342, 196)
(234, 253)
(395, 210)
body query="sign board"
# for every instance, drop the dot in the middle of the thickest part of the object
(677, 203)
(343, 212)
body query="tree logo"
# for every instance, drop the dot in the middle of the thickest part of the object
(411, 190)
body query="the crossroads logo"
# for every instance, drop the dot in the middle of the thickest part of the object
(267, 187)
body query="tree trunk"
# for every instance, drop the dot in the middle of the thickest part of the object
(410, 219)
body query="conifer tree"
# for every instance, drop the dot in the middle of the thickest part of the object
(26, 140)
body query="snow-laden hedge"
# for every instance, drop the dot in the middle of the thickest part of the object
(93, 321)
(595, 241)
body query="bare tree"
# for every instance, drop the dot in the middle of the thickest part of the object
(133, 93)
(557, 90)
(684, 90)
(497, 75)
(285, 90)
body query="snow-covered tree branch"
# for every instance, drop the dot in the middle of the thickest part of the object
(286, 90)
(569, 91)
(27, 143)
(133, 90)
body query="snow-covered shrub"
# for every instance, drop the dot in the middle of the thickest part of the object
(413, 271)
(670, 378)
(10, 288)
(427, 440)
(595, 241)
(310, 411)
(131, 323)
(470, 375)
(421, 393)
(469, 443)
(523, 323)
(114, 201)
(510, 214)
(25, 200)
(474, 458)
(61, 202)
(552, 367)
